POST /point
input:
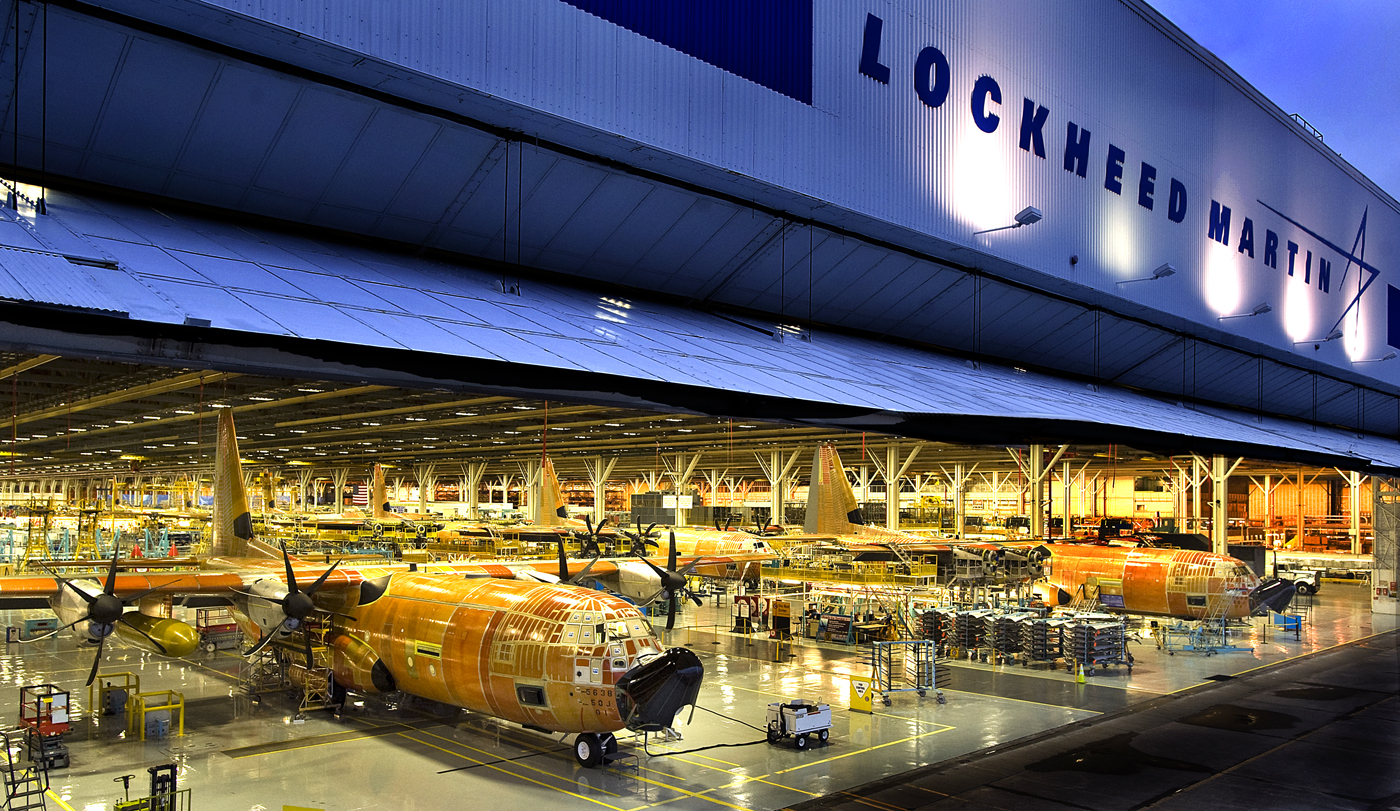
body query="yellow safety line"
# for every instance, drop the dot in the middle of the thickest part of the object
(59, 800)
(717, 760)
(746, 779)
(862, 751)
(494, 755)
(513, 774)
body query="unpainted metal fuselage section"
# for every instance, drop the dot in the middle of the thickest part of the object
(552, 656)
(1162, 582)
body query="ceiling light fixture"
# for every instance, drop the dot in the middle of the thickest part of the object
(1259, 309)
(1030, 215)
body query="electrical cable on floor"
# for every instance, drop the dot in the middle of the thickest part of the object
(713, 745)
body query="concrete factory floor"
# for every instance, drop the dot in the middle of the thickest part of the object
(238, 754)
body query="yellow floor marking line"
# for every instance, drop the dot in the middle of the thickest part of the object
(59, 800)
(862, 751)
(747, 779)
(1021, 700)
(513, 774)
(717, 760)
(522, 765)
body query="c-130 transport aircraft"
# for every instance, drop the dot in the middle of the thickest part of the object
(514, 641)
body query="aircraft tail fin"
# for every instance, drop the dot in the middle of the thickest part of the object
(378, 500)
(831, 503)
(233, 522)
(551, 511)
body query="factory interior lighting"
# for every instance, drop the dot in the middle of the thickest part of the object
(1386, 356)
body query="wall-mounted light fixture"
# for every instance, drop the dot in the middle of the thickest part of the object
(1386, 356)
(1259, 309)
(1030, 215)
(1162, 272)
(1331, 336)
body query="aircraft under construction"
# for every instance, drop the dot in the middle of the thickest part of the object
(1137, 580)
(521, 641)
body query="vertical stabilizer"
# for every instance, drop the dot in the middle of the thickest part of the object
(233, 523)
(378, 500)
(551, 512)
(831, 503)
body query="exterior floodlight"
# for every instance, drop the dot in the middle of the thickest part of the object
(1259, 309)
(1386, 356)
(1331, 336)
(1161, 272)
(1029, 215)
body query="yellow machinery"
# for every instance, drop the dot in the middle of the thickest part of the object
(140, 705)
(110, 687)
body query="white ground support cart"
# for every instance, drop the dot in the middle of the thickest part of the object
(799, 719)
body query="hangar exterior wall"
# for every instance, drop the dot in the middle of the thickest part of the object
(948, 118)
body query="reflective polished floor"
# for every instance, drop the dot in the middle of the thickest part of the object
(238, 754)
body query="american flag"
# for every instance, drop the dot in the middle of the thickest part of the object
(361, 496)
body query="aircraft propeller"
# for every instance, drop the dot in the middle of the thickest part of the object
(588, 541)
(641, 539)
(105, 610)
(296, 604)
(673, 583)
(728, 519)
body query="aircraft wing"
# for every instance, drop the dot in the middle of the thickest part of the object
(21, 587)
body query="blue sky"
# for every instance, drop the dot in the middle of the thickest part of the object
(1334, 62)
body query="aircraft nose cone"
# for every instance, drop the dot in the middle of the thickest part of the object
(1271, 595)
(649, 695)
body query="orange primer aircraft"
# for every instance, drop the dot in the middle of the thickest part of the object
(1143, 580)
(496, 639)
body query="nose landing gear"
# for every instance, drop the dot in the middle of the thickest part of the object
(591, 749)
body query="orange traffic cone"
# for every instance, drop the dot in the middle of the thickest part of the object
(174, 553)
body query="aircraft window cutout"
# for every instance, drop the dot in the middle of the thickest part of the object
(1195, 599)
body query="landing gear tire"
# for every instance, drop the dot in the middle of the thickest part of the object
(800, 741)
(823, 735)
(588, 750)
(1304, 589)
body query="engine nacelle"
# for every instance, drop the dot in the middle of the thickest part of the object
(163, 635)
(70, 608)
(636, 580)
(357, 666)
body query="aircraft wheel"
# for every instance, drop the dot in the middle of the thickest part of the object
(800, 741)
(823, 735)
(1304, 589)
(588, 750)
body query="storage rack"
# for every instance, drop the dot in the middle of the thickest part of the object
(1097, 644)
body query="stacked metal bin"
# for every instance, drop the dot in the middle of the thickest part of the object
(1097, 644)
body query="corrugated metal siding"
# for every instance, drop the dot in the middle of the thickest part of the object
(51, 279)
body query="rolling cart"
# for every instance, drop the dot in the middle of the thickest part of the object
(799, 720)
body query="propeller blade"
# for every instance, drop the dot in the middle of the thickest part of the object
(52, 634)
(257, 596)
(692, 596)
(149, 638)
(133, 598)
(291, 579)
(262, 643)
(671, 555)
(671, 609)
(310, 654)
(110, 586)
(96, 660)
(588, 522)
(321, 580)
(578, 578)
(650, 527)
(88, 598)
(691, 568)
(563, 563)
(727, 520)
(337, 614)
(601, 524)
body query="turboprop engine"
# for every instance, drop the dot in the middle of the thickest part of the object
(163, 635)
